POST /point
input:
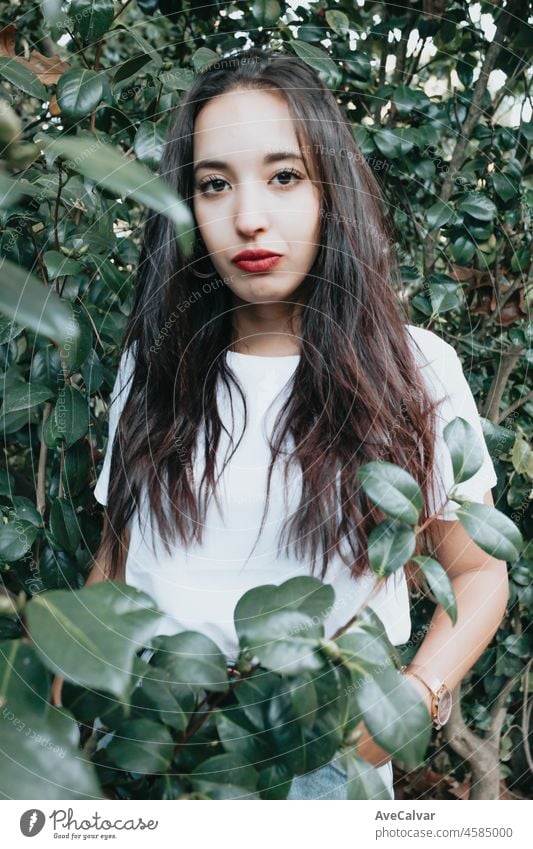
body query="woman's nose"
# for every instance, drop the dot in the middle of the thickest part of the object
(250, 212)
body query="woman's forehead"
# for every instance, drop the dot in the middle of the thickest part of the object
(243, 119)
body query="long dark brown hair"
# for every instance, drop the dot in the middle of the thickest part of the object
(356, 395)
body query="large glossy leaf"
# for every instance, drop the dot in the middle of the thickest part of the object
(65, 524)
(24, 299)
(79, 93)
(390, 545)
(70, 418)
(395, 715)
(106, 165)
(393, 489)
(16, 539)
(192, 659)
(26, 396)
(22, 77)
(91, 18)
(226, 776)
(24, 681)
(478, 206)
(148, 143)
(492, 530)
(41, 759)
(363, 781)
(141, 745)
(90, 636)
(439, 584)
(464, 447)
(321, 61)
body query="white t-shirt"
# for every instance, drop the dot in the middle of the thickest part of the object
(198, 587)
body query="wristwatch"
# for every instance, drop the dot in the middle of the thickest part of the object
(441, 697)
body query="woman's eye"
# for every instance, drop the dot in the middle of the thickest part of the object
(214, 182)
(291, 173)
(209, 181)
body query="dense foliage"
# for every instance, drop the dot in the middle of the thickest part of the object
(86, 91)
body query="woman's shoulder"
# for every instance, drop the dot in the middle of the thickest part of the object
(428, 346)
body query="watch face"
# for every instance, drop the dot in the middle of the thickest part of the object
(445, 707)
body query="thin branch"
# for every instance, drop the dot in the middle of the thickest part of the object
(515, 406)
(41, 474)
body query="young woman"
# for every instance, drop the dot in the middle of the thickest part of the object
(258, 376)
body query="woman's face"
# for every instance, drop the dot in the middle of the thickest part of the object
(243, 201)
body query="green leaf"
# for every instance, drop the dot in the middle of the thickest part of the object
(25, 397)
(492, 530)
(16, 539)
(203, 57)
(363, 780)
(439, 584)
(478, 206)
(499, 439)
(504, 187)
(22, 77)
(149, 142)
(79, 93)
(226, 776)
(160, 698)
(464, 447)
(238, 737)
(64, 525)
(24, 299)
(444, 297)
(70, 418)
(24, 681)
(23, 508)
(192, 659)
(75, 475)
(463, 250)
(142, 746)
(75, 351)
(393, 143)
(320, 61)
(396, 716)
(266, 12)
(390, 545)
(439, 214)
(46, 368)
(91, 18)
(92, 372)
(274, 782)
(58, 265)
(393, 489)
(105, 165)
(338, 21)
(282, 624)
(90, 636)
(42, 759)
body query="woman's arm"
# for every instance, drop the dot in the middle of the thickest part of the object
(99, 572)
(481, 586)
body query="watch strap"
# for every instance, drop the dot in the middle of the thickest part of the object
(425, 676)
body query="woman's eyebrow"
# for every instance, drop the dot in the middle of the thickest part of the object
(275, 156)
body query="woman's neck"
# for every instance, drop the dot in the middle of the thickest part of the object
(266, 330)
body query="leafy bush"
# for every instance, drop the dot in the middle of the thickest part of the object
(83, 114)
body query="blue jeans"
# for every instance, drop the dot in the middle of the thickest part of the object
(329, 782)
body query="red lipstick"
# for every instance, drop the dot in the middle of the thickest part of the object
(256, 260)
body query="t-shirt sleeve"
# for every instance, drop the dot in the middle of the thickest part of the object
(445, 379)
(118, 400)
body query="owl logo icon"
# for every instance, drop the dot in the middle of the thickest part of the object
(32, 822)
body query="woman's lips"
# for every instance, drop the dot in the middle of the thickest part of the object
(255, 265)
